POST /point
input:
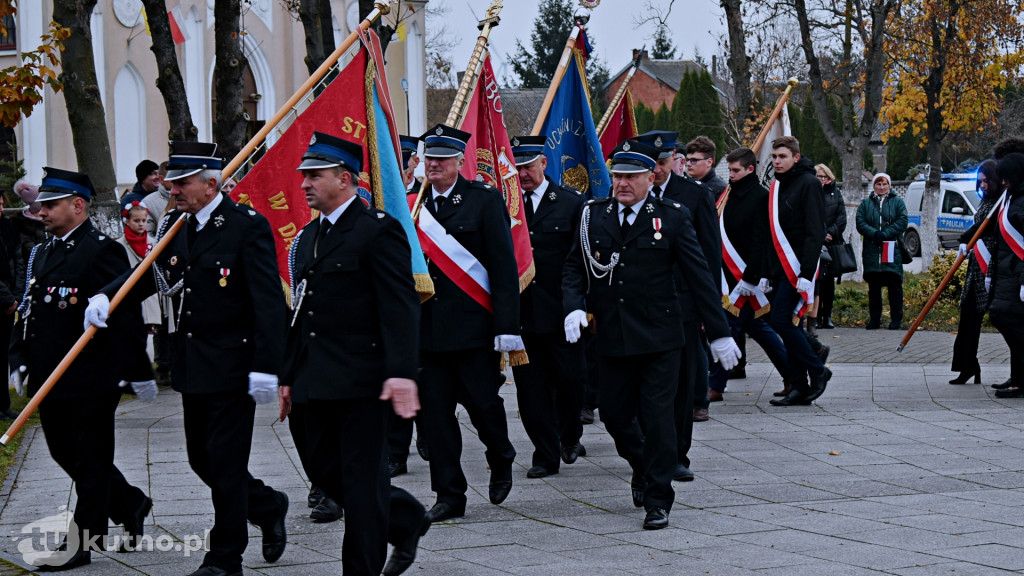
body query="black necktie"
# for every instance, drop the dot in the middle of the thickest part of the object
(193, 230)
(657, 191)
(625, 221)
(439, 201)
(325, 227)
(529, 207)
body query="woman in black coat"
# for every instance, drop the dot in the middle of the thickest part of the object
(974, 298)
(1006, 273)
(835, 225)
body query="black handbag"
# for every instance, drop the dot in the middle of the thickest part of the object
(843, 258)
(905, 255)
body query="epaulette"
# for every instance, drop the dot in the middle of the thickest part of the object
(380, 214)
(670, 203)
(573, 190)
(247, 209)
(95, 232)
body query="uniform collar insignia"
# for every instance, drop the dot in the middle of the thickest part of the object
(608, 210)
(218, 221)
(71, 244)
(456, 199)
(552, 196)
(650, 208)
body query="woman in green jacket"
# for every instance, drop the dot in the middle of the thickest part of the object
(882, 221)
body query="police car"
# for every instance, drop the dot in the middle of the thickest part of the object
(958, 201)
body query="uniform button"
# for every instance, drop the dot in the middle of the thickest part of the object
(373, 345)
(556, 227)
(433, 277)
(188, 268)
(621, 301)
(308, 293)
(312, 334)
(310, 312)
(189, 335)
(622, 264)
(531, 232)
(218, 262)
(188, 313)
(620, 282)
(311, 272)
(435, 299)
(533, 282)
(188, 290)
(245, 341)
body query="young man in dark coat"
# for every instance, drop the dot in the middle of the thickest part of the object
(796, 216)
(461, 340)
(550, 387)
(1005, 279)
(78, 414)
(624, 269)
(219, 275)
(352, 355)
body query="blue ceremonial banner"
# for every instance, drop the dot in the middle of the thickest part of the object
(573, 148)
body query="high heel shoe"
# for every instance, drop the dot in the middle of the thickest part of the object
(965, 376)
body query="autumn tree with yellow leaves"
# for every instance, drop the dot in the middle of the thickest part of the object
(948, 62)
(21, 87)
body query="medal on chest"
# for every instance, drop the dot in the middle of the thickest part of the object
(656, 223)
(224, 273)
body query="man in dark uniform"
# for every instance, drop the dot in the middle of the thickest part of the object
(550, 387)
(624, 269)
(461, 339)
(78, 413)
(691, 400)
(410, 160)
(219, 275)
(352, 348)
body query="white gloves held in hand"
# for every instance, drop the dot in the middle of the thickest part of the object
(146, 391)
(262, 387)
(17, 379)
(804, 285)
(962, 250)
(573, 322)
(97, 312)
(508, 343)
(765, 285)
(726, 352)
(745, 288)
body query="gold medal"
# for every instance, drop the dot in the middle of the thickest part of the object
(73, 299)
(223, 282)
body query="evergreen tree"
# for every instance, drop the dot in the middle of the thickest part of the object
(697, 110)
(682, 107)
(904, 153)
(663, 118)
(536, 66)
(869, 161)
(663, 48)
(644, 117)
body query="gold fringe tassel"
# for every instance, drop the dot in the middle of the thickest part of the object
(764, 310)
(518, 358)
(527, 276)
(424, 286)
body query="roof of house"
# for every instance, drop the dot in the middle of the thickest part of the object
(668, 72)
(519, 106)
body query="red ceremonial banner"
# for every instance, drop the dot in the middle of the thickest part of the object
(489, 159)
(621, 126)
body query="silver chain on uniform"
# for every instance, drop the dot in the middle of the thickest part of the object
(595, 268)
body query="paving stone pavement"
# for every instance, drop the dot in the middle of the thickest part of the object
(892, 471)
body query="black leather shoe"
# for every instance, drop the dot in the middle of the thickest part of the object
(571, 453)
(823, 353)
(133, 526)
(656, 519)
(794, 398)
(587, 415)
(682, 474)
(214, 571)
(894, 325)
(445, 511)
(275, 538)
(404, 553)
(326, 511)
(423, 448)
(80, 558)
(1004, 385)
(315, 496)
(1010, 393)
(638, 489)
(501, 483)
(539, 472)
(397, 469)
(818, 384)
(737, 373)
(872, 326)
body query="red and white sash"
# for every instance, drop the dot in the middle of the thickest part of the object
(1011, 235)
(734, 264)
(454, 260)
(982, 256)
(889, 252)
(787, 256)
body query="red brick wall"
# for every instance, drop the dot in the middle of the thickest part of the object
(645, 89)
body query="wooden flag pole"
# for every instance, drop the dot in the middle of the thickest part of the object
(619, 95)
(776, 112)
(457, 111)
(563, 63)
(949, 275)
(380, 7)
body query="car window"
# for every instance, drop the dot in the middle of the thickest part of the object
(952, 199)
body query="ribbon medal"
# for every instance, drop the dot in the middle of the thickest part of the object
(73, 299)
(63, 292)
(224, 273)
(656, 222)
(49, 291)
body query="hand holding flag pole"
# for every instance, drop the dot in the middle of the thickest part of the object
(380, 7)
(949, 275)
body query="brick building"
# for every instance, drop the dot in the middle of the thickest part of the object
(657, 81)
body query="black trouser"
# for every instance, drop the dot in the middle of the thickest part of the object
(471, 378)
(162, 347)
(893, 284)
(965, 347)
(826, 285)
(693, 367)
(550, 394)
(592, 384)
(637, 389)
(218, 436)
(6, 326)
(400, 436)
(1011, 326)
(80, 435)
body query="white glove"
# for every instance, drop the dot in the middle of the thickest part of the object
(988, 283)
(746, 288)
(262, 387)
(1022, 293)
(146, 391)
(962, 250)
(726, 352)
(97, 312)
(804, 285)
(573, 322)
(765, 285)
(508, 343)
(18, 379)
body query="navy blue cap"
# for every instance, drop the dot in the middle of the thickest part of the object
(630, 157)
(663, 140)
(326, 151)
(527, 149)
(444, 141)
(410, 145)
(188, 158)
(63, 183)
